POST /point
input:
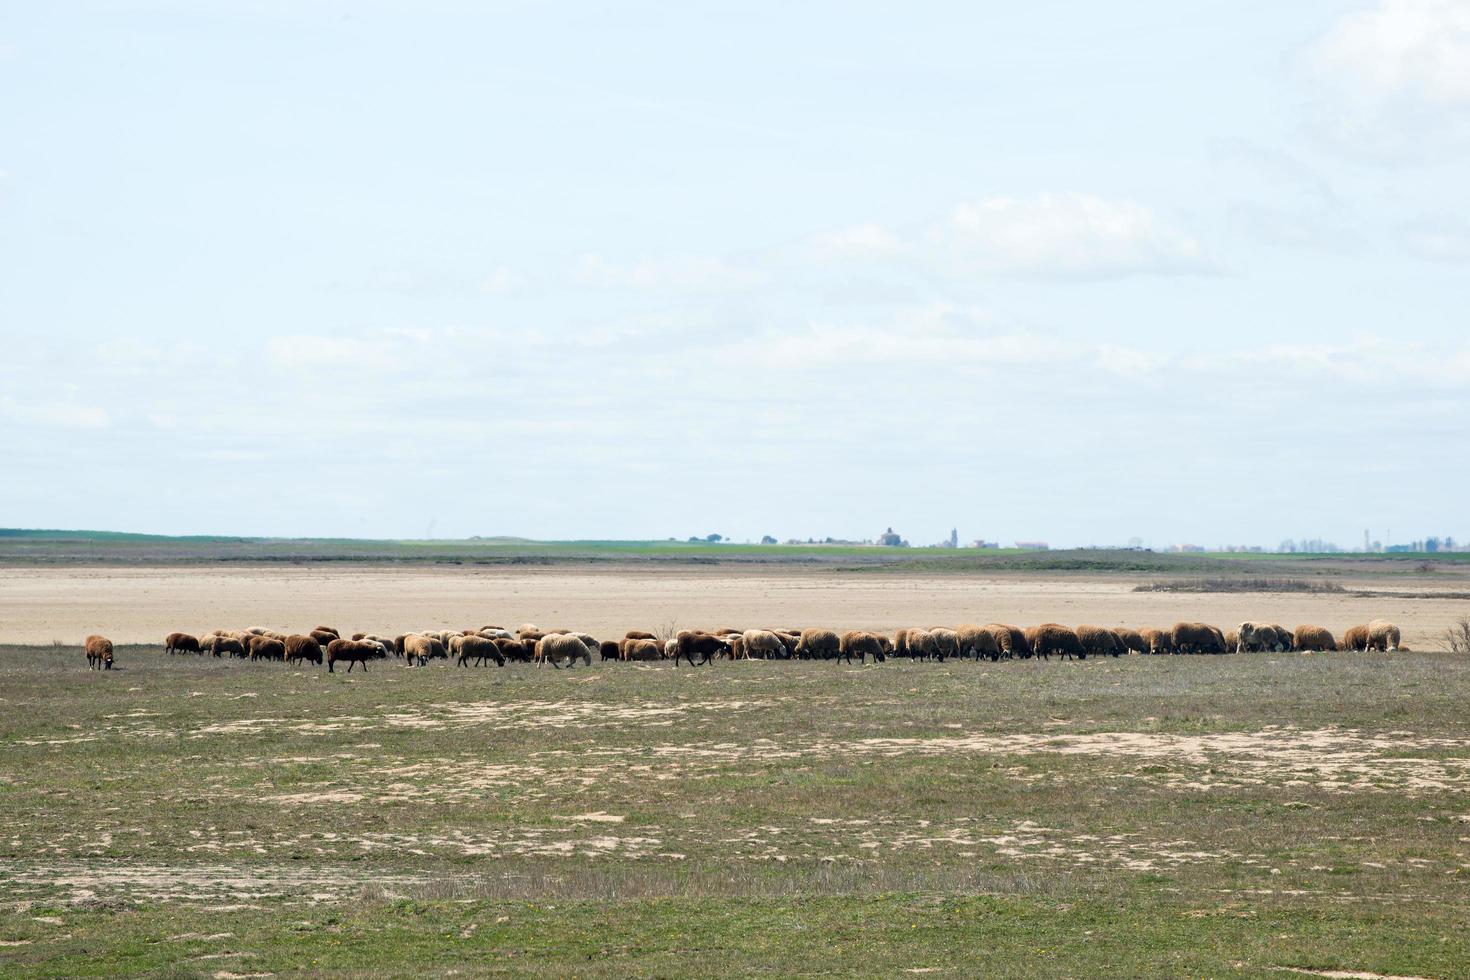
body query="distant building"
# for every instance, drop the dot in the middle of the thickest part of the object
(890, 540)
(1033, 546)
(954, 537)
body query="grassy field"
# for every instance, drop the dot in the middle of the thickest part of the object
(1199, 816)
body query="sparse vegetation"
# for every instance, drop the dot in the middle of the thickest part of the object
(1242, 585)
(181, 815)
(1457, 637)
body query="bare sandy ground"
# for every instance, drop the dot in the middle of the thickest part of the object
(141, 605)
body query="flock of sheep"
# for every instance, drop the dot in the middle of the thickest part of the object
(530, 644)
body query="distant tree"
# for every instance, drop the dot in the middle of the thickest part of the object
(768, 540)
(1431, 545)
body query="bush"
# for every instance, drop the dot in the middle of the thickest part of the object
(1457, 637)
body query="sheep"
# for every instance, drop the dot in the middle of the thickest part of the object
(671, 648)
(946, 642)
(609, 650)
(513, 649)
(323, 637)
(590, 642)
(553, 647)
(1356, 638)
(496, 633)
(639, 635)
(764, 644)
(206, 644)
(861, 642)
(1158, 641)
(636, 649)
(326, 629)
(920, 643)
(1196, 638)
(901, 643)
(1010, 641)
(815, 643)
(230, 645)
(480, 649)
(181, 643)
(300, 647)
(99, 652)
(1383, 635)
(1132, 640)
(1099, 640)
(354, 652)
(707, 645)
(267, 648)
(1313, 638)
(1220, 645)
(416, 648)
(1253, 636)
(1049, 638)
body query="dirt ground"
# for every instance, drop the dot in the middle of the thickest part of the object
(141, 605)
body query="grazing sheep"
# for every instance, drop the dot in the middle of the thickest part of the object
(99, 652)
(1099, 641)
(636, 649)
(1314, 638)
(323, 637)
(514, 649)
(354, 652)
(228, 645)
(920, 643)
(300, 647)
(496, 633)
(181, 643)
(1251, 637)
(206, 644)
(1220, 645)
(1010, 641)
(946, 642)
(609, 650)
(1232, 640)
(1383, 635)
(1049, 638)
(1196, 638)
(764, 644)
(326, 629)
(818, 643)
(554, 647)
(639, 635)
(901, 643)
(417, 648)
(1356, 638)
(1133, 640)
(267, 648)
(707, 645)
(861, 642)
(1159, 641)
(479, 649)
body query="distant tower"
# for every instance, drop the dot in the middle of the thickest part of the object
(1366, 545)
(954, 537)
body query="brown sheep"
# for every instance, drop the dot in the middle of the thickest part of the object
(480, 650)
(639, 635)
(1383, 636)
(267, 648)
(354, 652)
(919, 643)
(818, 643)
(1196, 638)
(1132, 640)
(555, 647)
(1049, 638)
(636, 649)
(327, 629)
(707, 645)
(1099, 641)
(206, 644)
(1010, 641)
(862, 643)
(901, 643)
(300, 647)
(228, 645)
(1314, 638)
(323, 637)
(1159, 641)
(99, 652)
(609, 650)
(181, 643)
(946, 642)
(514, 649)
(1232, 641)
(418, 648)
(1356, 638)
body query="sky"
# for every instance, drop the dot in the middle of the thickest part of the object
(1183, 271)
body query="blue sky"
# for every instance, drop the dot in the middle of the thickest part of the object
(1181, 271)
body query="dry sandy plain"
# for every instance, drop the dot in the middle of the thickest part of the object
(39, 604)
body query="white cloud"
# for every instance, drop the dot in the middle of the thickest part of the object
(1415, 47)
(1068, 235)
(1439, 239)
(55, 414)
(858, 241)
(500, 281)
(688, 272)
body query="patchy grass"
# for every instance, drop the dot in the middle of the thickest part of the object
(1243, 585)
(1151, 816)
